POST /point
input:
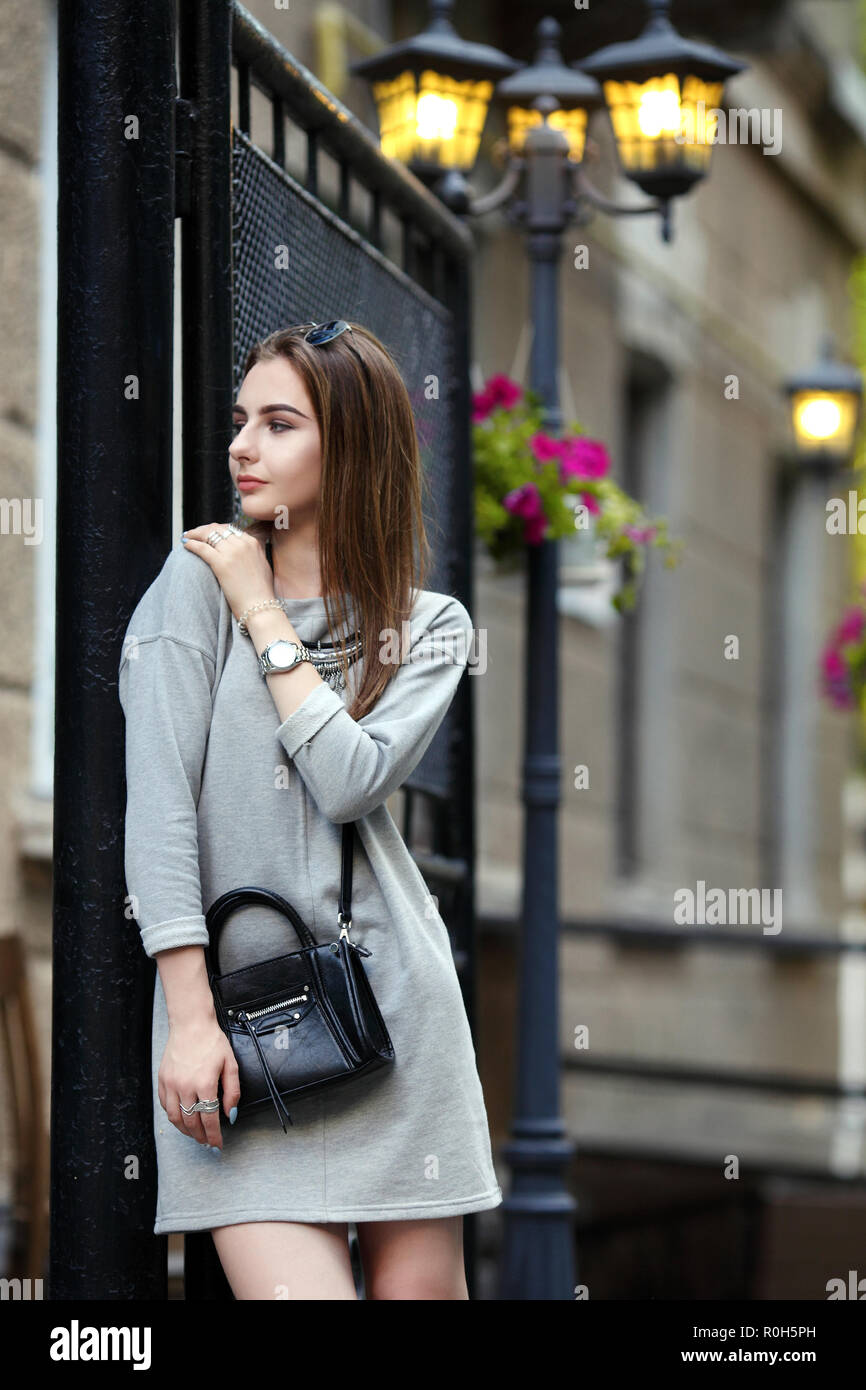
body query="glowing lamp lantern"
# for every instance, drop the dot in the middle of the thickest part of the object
(576, 95)
(825, 410)
(432, 92)
(662, 92)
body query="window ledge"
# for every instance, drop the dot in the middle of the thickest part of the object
(642, 897)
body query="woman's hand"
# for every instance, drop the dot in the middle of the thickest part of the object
(239, 562)
(197, 1056)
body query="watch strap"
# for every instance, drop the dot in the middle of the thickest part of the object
(266, 667)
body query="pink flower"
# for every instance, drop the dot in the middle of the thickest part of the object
(834, 667)
(851, 627)
(590, 501)
(639, 534)
(583, 458)
(499, 391)
(545, 447)
(840, 693)
(503, 391)
(525, 502)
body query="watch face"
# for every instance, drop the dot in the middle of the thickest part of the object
(282, 653)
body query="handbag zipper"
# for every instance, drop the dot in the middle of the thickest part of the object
(336, 1031)
(257, 1013)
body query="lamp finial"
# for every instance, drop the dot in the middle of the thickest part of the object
(659, 16)
(440, 17)
(547, 33)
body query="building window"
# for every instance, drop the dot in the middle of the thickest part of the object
(643, 673)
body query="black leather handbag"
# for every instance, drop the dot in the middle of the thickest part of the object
(303, 1021)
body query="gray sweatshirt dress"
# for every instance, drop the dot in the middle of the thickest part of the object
(221, 794)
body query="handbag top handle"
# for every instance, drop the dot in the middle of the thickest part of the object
(239, 897)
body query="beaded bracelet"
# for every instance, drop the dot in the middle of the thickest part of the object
(267, 603)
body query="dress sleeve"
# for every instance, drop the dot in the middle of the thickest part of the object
(165, 684)
(351, 766)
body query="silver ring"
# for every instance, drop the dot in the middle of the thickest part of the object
(206, 1107)
(215, 537)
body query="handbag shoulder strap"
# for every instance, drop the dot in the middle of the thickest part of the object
(346, 871)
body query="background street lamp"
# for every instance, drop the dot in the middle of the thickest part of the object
(662, 92)
(543, 188)
(825, 410)
(824, 406)
(575, 94)
(432, 92)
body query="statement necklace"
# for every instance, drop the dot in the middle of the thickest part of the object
(326, 659)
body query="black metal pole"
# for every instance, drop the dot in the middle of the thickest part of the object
(538, 1260)
(206, 261)
(115, 247)
(458, 296)
(205, 55)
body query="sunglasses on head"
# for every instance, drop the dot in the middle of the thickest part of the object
(326, 332)
(321, 333)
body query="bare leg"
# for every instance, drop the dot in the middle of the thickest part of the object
(413, 1259)
(269, 1260)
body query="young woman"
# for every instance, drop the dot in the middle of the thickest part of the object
(234, 778)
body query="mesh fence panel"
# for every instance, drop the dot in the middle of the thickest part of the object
(295, 261)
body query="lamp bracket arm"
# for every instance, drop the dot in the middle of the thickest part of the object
(587, 190)
(488, 202)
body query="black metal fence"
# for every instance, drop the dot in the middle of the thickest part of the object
(296, 258)
(197, 159)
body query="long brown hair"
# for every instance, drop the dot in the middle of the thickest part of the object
(371, 502)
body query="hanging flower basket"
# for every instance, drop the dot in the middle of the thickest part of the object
(531, 487)
(843, 661)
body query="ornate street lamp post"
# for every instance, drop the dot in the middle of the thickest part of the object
(548, 106)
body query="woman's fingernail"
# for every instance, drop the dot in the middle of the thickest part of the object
(214, 1148)
(233, 1114)
(183, 540)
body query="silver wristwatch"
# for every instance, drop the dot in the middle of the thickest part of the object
(282, 655)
